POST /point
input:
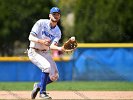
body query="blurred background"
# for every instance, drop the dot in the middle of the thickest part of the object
(91, 21)
(103, 29)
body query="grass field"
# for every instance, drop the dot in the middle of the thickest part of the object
(67, 86)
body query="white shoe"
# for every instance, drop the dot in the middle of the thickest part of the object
(45, 96)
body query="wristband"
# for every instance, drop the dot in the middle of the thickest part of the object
(60, 48)
(37, 40)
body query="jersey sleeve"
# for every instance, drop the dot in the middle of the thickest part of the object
(36, 28)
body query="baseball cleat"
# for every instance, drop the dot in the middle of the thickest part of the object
(45, 96)
(35, 90)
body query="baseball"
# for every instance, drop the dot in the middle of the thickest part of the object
(73, 38)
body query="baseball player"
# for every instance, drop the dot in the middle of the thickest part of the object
(45, 35)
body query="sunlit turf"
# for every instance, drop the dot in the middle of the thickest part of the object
(73, 86)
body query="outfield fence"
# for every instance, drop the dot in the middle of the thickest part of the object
(89, 62)
(104, 62)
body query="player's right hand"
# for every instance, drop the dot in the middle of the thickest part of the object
(44, 42)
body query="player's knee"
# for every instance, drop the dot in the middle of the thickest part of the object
(55, 77)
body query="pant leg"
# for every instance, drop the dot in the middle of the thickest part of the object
(53, 72)
(39, 59)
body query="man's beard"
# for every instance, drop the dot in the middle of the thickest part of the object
(54, 20)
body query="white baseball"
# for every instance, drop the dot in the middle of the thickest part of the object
(73, 38)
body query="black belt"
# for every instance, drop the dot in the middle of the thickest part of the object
(39, 49)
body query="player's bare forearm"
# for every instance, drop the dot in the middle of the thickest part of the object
(55, 47)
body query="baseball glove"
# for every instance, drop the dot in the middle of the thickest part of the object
(70, 45)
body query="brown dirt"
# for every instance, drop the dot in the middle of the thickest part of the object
(70, 95)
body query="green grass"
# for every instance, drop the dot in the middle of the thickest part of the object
(74, 86)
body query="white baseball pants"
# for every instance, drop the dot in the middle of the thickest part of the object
(44, 61)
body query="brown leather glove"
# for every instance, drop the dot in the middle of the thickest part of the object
(70, 45)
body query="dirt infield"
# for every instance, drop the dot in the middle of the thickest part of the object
(70, 95)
